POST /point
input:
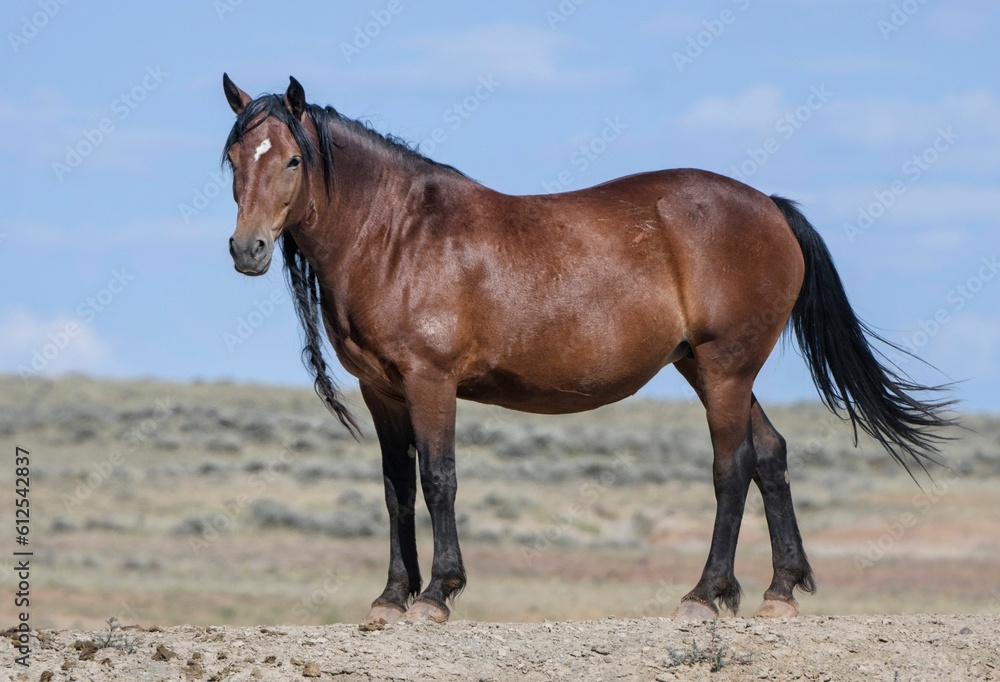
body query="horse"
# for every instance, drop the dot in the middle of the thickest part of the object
(432, 287)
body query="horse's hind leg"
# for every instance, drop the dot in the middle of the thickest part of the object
(727, 397)
(791, 568)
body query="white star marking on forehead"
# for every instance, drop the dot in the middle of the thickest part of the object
(262, 148)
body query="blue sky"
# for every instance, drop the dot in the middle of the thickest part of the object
(882, 118)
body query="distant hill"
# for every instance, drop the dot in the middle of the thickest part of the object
(664, 440)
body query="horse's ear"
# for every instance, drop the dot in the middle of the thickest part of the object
(295, 98)
(237, 98)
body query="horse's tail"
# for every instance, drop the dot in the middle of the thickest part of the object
(305, 288)
(844, 366)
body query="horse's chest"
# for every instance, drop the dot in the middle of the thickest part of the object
(360, 363)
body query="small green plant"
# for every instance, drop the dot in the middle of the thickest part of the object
(115, 638)
(716, 655)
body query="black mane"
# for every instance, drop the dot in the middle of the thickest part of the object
(323, 119)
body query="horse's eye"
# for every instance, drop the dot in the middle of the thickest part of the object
(294, 162)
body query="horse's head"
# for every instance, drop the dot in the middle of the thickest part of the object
(268, 150)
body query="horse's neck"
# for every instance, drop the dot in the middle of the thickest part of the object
(363, 181)
(369, 189)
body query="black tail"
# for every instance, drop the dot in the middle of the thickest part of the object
(305, 288)
(843, 364)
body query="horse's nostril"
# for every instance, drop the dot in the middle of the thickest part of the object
(232, 247)
(258, 248)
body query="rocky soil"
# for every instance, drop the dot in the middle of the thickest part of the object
(896, 648)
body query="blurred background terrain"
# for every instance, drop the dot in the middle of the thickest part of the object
(208, 503)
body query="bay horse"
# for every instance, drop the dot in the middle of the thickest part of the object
(432, 287)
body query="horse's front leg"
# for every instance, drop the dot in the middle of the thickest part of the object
(432, 403)
(399, 471)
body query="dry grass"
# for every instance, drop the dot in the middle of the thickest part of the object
(222, 503)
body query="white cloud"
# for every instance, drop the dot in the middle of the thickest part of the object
(882, 122)
(942, 206)
(946, 238)
(851, 64)
(48, 124)
(963, 25)
(203, 230)
(516, 56)
(61, 343)
(903, 125)
(756, 108)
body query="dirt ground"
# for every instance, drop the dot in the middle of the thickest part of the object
(895, 648)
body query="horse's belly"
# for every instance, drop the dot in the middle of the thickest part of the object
(561, 378)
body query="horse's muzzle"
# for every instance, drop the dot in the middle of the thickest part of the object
(252, 255)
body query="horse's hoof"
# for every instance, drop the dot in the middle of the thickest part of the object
(382, 614)
(778, 608)
(694, 610)
(426, 612)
